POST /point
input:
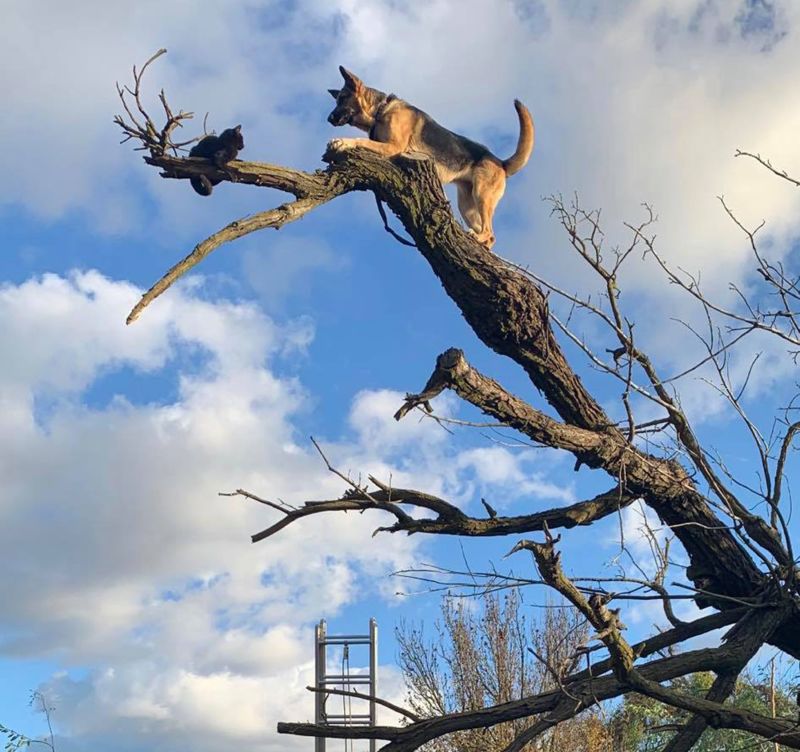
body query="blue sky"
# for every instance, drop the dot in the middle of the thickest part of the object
(133, 596)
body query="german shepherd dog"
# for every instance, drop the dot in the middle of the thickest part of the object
(394, 127)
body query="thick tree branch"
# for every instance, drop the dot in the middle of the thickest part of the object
(509, 313)
(663, 484)
(449, 520)
(743, 640)
(721, 688)
(300, 184)
(586, 686)
(604, 620)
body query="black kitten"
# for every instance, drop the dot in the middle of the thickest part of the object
(219, 149)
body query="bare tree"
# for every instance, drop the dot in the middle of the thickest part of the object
(733, 532)
(493, 655)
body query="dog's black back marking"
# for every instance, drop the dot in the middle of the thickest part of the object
(449, 149)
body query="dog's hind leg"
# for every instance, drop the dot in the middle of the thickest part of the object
(467, 208)
(488, 187)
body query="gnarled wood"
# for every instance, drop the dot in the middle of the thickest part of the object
(509, 313)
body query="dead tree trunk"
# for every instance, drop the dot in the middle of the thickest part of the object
(742, 564)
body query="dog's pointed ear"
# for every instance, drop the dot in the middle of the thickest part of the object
(334, 93)
(351, 81)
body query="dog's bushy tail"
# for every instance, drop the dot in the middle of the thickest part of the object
(525, 144)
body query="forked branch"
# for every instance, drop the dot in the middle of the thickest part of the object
(449, 519)
(510, 314)
(139, 126)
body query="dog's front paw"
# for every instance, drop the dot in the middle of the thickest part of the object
(337, 148)
(340, 144)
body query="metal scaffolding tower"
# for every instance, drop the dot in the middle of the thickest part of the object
(345, 681)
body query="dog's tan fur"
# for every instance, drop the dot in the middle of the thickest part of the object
(394, 127)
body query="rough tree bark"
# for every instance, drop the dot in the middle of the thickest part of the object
(742, 564)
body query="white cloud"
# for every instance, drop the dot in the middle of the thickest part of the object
(120, 556)
(513, 475)
(372, 418)
(107, 506)
(235, 60)
(166, 708)
(419, 453)
(119, 553)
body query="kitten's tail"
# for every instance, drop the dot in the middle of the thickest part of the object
(202, 185)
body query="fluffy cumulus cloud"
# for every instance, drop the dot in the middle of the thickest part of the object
(419, 452)
(118, 554)
(119, 557)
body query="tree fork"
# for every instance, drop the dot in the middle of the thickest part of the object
(509, 313)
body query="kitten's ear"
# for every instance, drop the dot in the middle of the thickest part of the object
(238, 128)
(351, 81)
(334, 93)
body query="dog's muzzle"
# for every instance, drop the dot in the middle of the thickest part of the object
(340, 117)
